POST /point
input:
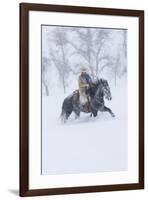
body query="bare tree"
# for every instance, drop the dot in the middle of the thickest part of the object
(59, 55)
(45, 65)
(125, 42)
(117, 67)
(90, 47)
(102, 58)
(70, 48)
(120, 60)
(124, 51)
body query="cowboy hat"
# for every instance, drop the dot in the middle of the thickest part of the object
(83, 69)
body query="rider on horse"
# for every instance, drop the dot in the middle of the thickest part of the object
(84, 81)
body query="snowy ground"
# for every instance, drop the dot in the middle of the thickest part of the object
(85, 145)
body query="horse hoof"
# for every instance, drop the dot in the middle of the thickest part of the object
(113, 115)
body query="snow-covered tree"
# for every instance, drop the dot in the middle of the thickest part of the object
(45, 66)
(90, 45)
(119, 66)
(102, 51)
(59, 55)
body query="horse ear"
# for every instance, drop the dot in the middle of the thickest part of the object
(101, 80)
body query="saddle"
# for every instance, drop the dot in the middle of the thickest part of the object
(76, 98)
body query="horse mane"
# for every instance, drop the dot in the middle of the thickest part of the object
(101, 81)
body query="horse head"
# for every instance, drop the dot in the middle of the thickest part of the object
(106, 89)
(103, 84)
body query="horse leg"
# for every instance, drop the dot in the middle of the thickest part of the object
(106, 109)
(77, 115)
(94, 113)
(68, 114)
(76, 111)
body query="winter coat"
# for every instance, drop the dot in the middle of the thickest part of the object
(84, 80)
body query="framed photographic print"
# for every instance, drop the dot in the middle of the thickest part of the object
(81, 99)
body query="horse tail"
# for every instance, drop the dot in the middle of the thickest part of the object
(66, 108)
(63, 113)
